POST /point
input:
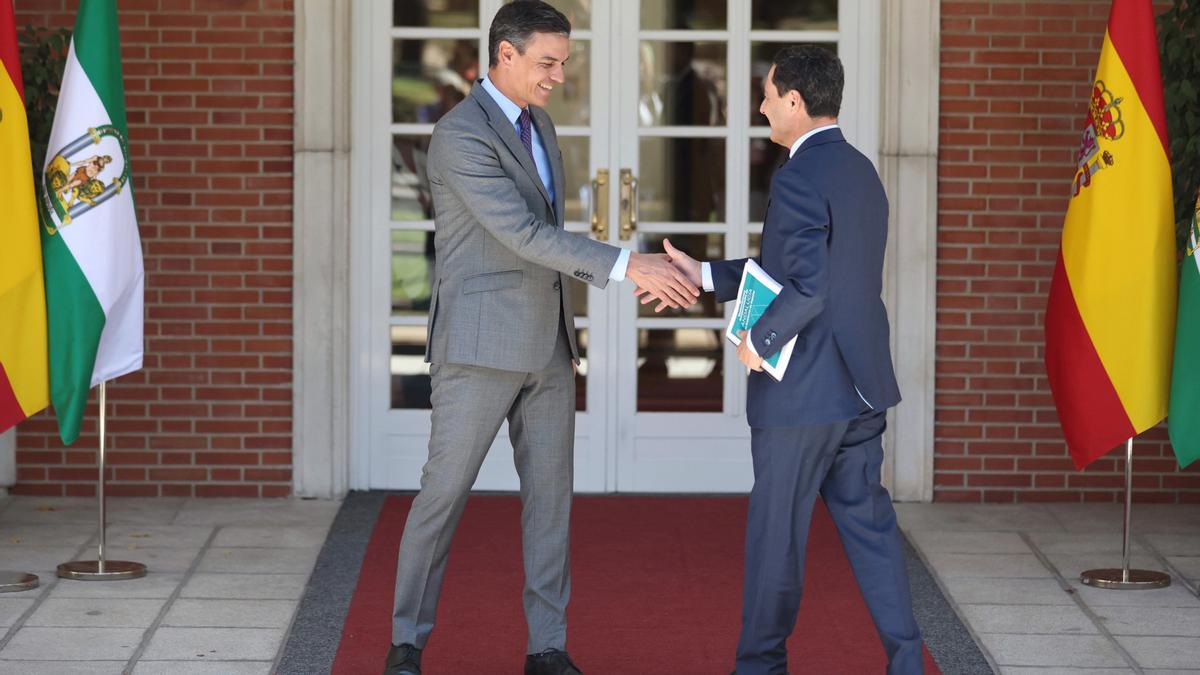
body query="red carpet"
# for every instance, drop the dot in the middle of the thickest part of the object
(656, 589)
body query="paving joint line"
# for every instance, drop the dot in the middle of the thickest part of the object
(1168, 566)
(953, 603)
(19, 623)
(162, 613)
(287, 633)
(1091, 615)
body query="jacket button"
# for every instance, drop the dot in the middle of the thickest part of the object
(557, 286)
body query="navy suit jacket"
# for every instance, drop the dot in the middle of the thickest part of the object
(823, 240)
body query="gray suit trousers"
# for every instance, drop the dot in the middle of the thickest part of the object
(469, 405)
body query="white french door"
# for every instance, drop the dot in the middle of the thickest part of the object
(661, 137)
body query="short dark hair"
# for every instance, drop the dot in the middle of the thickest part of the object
(813, 72)
(516, 23)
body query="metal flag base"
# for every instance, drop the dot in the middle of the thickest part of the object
(101, 569)
(1125, 580)
(11, 582)
(90, 570)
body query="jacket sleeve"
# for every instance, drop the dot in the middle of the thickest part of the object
(469, 167)
(803, 215)
(726, 277)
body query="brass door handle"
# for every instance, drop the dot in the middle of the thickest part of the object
(600, 205)
(629, 204)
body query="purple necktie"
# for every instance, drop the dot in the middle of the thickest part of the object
(524, 121)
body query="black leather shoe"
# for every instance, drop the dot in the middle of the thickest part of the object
(550, 662)
(404, 659)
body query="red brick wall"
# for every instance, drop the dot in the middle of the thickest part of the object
(1014, 81)
(208, 88)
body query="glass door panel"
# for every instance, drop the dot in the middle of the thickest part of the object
(438, 51)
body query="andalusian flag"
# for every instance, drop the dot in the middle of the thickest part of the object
(1183, 420)
(24, 387)
(1110, 318)
(89, 231)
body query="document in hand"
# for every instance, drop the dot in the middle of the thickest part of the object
(756, 291)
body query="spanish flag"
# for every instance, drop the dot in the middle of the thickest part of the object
(1110, 319)
(24, 382)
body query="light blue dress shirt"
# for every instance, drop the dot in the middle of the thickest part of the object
(541, 160)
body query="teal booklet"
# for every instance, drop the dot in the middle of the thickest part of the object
(755, 293)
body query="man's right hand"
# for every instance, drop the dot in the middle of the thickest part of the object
(684, 263)
(656, 274)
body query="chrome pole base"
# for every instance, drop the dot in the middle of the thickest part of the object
(89, 570)
(1115, 579)
(11, 582)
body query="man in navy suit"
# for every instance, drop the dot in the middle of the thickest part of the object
(818, 430)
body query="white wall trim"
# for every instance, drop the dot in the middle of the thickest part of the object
(321, 253)
(908, 165)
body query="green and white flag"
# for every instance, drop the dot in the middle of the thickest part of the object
(1183, 417)
(90, 247)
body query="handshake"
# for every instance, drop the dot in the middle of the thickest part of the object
(672, 278)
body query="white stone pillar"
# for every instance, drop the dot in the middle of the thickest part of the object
(8, 460)
(908, 164)
(321, 253)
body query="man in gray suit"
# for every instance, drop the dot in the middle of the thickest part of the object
(501, 334)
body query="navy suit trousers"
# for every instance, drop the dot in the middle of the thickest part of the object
(842, 462)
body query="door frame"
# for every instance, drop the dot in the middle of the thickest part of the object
(331, 434)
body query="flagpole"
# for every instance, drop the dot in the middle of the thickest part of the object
(1125, 578)
(101, 569)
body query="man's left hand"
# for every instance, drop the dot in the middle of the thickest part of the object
(746, 355)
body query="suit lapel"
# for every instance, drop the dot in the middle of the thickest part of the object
(504, 129)
(545, 129)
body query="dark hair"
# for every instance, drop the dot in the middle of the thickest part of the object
(813, 72)
(517, 21)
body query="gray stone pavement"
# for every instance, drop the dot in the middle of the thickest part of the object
(227, 575)
(1012, 573)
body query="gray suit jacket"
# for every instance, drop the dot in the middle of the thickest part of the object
(504, 263)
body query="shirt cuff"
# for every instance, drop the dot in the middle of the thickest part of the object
(619, 267)
(706, 276)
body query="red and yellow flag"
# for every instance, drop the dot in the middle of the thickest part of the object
(24, 381)
(1110, 318)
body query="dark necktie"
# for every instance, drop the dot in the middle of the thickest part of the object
(525, 122)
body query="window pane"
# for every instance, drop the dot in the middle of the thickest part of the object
(681, 180)
(701, 247)
(410, 374)
(761, 56)
(683, 84)
(578, 12)
(679, 370)
(570, 103)
(683, 14)
(429, 77)
(581, 340)
(754, 247)
(411, 199)
(412, 271)
(794, 15)
(765, 158)
(438, 13)
(577, 201)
